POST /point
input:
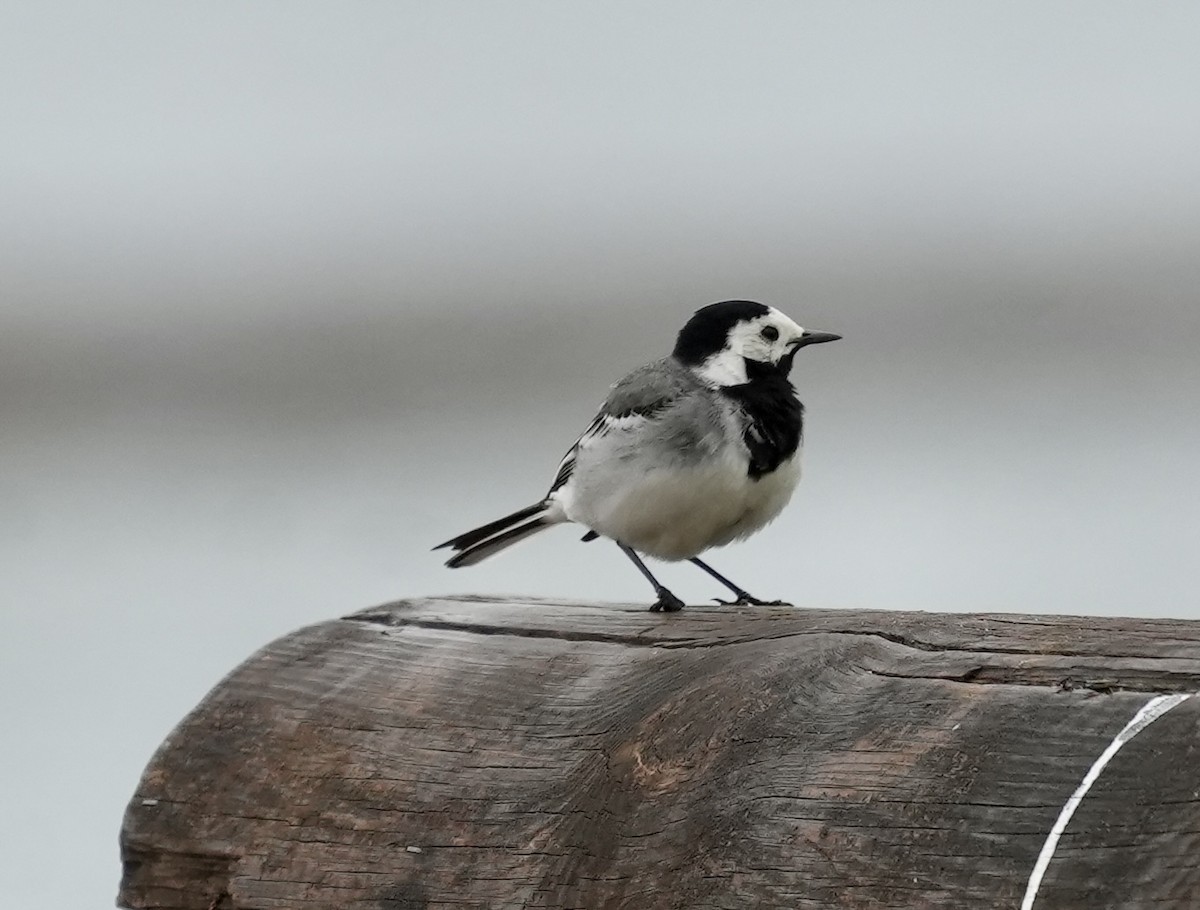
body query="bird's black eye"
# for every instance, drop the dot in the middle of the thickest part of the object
(770, 333)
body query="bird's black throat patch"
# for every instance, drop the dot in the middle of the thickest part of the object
(775, 419)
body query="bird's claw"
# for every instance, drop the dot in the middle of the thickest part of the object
(748, 600)
(666, 603)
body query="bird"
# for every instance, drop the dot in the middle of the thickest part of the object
(687, 453)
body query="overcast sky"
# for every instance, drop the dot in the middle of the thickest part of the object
(293, 291)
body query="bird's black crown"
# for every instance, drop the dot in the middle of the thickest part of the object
(706, 332)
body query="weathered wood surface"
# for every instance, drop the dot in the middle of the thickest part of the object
(518, 754)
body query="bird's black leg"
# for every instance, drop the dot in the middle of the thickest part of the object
(667, 602)
(744, 598)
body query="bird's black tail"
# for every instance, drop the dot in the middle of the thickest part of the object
(477, 545)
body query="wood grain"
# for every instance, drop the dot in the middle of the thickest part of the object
(476, 753)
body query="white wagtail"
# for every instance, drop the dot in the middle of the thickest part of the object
(693, 451)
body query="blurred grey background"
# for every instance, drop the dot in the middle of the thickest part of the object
(293, 291)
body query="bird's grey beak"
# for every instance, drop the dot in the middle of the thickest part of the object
(815, 338)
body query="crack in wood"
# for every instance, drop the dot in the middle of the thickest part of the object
(1045, 677)
(983, 675)
(394, 622)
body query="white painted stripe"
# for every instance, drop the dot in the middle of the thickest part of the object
(1148, 714)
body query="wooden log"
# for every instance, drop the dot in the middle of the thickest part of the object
(466, 752)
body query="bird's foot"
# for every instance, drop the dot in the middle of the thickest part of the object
(745, 599)
(666, 603)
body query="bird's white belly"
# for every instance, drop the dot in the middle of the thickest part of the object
(681, 512)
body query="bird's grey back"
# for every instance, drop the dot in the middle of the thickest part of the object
(686, 414)
(650, 388)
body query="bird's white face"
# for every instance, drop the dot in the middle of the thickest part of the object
(768, 339)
